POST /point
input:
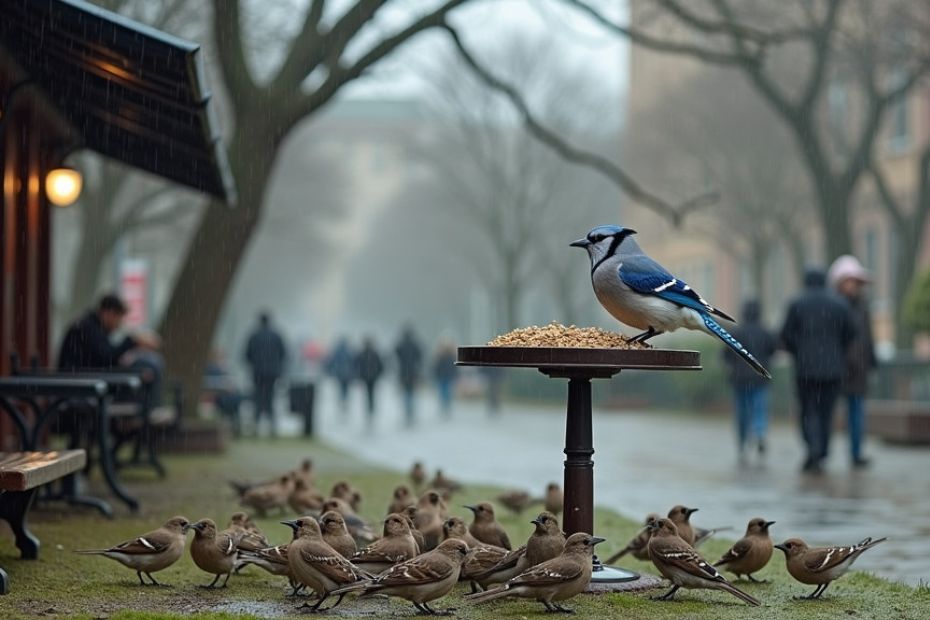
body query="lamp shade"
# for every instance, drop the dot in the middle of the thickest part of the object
(63, 186)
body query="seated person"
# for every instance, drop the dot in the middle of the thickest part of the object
(87, 347)
(219, 384)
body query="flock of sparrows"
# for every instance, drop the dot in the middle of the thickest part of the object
(423, 551)
(669, 543)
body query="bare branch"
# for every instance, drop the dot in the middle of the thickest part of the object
(888, 201)
(132, 211)
(731, 26)
(821, 41)
(164, 217)
(923, 185)
(570, 153)
(227, 35)
(306, 51)
(339, 77)
(348, 26)
(654, 43)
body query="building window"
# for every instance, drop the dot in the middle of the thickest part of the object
(892, 261)
(837, 102)
(899, 136)
(870, 243)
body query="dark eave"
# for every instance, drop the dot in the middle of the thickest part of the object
(129, 91)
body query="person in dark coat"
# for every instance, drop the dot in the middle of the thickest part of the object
(409, 362)
(750, 390)
(87, 346)
(266, 354)
(849, 278)
(445, 371)
(818, 331)
(340, 365)
(369, 368)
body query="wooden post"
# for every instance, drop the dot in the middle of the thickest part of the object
(579, 466)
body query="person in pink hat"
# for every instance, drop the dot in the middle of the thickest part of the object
(849, 278)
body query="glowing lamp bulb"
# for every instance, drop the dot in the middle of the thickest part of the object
(63, 186)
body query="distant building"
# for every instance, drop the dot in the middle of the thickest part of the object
(701, 260)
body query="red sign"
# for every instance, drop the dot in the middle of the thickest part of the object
(134, 290)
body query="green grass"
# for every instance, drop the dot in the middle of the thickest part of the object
(63, 584)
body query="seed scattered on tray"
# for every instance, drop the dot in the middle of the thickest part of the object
(558, 335)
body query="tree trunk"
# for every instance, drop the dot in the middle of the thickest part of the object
(906, 255)
(213, 258)
(834, 216)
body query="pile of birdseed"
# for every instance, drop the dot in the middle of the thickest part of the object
(558, 335)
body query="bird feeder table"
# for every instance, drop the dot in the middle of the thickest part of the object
(580, 366)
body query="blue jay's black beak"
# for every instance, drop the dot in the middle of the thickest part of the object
(581, 243)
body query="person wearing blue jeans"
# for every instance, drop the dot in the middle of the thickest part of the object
(444, 370)
(409, 362)
(752, 415)
(855, 406)
(848, 277)
(750, 391)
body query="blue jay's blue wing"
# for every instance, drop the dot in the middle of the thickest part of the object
(647, 277)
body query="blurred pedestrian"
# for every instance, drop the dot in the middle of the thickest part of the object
(818, 330)
(750, 390)
(340, 365)
(266, 354)
(221, 387)
(849, 278)
(493, 385)
(445, 371)
(409, 361)
(369, 369)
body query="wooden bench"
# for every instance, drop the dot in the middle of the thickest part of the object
(21, 474)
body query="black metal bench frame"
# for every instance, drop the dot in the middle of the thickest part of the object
(59, 393)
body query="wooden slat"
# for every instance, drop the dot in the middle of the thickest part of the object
(21, 471)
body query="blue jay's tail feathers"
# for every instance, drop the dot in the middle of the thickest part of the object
(715, 328)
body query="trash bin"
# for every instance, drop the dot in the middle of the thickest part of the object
(301, 396)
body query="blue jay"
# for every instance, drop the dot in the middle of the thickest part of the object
(639, 292)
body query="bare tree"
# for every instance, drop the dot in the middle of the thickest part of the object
(332, 47)
(879, 52)
(909, 223)
(516, 194)
(569, 151)
(712, 130)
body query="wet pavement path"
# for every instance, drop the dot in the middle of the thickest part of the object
(647, 462)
